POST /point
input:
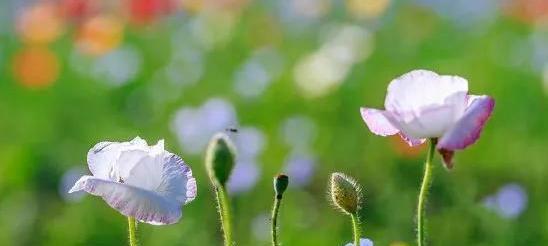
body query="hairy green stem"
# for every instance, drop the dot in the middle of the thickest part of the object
(356, 229)
(224, 213)
(275, 211)
(423, 195)
(132, 230)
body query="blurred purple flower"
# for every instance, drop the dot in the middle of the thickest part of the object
(363, 242)
(194, 126)
(244, 176)
(464, 12)
(67, 181)
(509, 201)
(300, 169)
(249, 142)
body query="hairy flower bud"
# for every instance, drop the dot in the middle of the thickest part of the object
(345, 193)
(220, 159)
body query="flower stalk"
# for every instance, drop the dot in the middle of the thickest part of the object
(423, 194)
(132, 231)
(356, 229)
(219, 162)
(280, 185)
(224, 213)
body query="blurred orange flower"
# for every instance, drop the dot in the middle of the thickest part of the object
(528, 10)
(35, 67)
(100, 35)
(41, 23)
(403, 149)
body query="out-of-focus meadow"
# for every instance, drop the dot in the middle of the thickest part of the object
(291, 76)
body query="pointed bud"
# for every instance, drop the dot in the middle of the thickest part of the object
(345, 193)
(220, 159)
(280, 185)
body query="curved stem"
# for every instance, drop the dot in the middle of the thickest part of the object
(224, 213)
(132, 230)
(356, 229)
(275, 211)
(423, 195)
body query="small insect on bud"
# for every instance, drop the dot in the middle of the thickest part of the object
(280, 185)
(345, 193)
(220, 159)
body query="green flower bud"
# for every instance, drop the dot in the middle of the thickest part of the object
(345, 193)
(280, 185)
(220, 159)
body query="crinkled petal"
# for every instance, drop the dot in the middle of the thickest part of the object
(468, 129)
(145, 206)
(167, 175)
(103, 155)
(377, 122)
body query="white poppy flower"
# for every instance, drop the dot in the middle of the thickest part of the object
(141, 181)
(422, 104)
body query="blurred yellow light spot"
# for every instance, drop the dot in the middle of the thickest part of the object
(366, 9)
(40, 24)
(36, 67)
(100, 35)
(398, 244)
(192, 6)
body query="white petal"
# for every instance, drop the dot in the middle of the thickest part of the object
(425, 104)
(165, 174)
(103, 155)
(145, 206)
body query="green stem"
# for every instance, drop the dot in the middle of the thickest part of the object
(275, 210)
(356, 229)
(224, 213)
(423, 195)
(132, 230)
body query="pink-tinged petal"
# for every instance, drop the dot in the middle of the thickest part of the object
(377, 122)
(412, 141)
(447, 156)
(468, 129)
(146, 206)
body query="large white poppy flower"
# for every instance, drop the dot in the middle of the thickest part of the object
(141, 181)
(422, 104)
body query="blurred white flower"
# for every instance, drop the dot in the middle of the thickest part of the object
(325, 69)
(260, 227)
(117, 67)
(299, 132)
(257, 72)
(138, 180)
